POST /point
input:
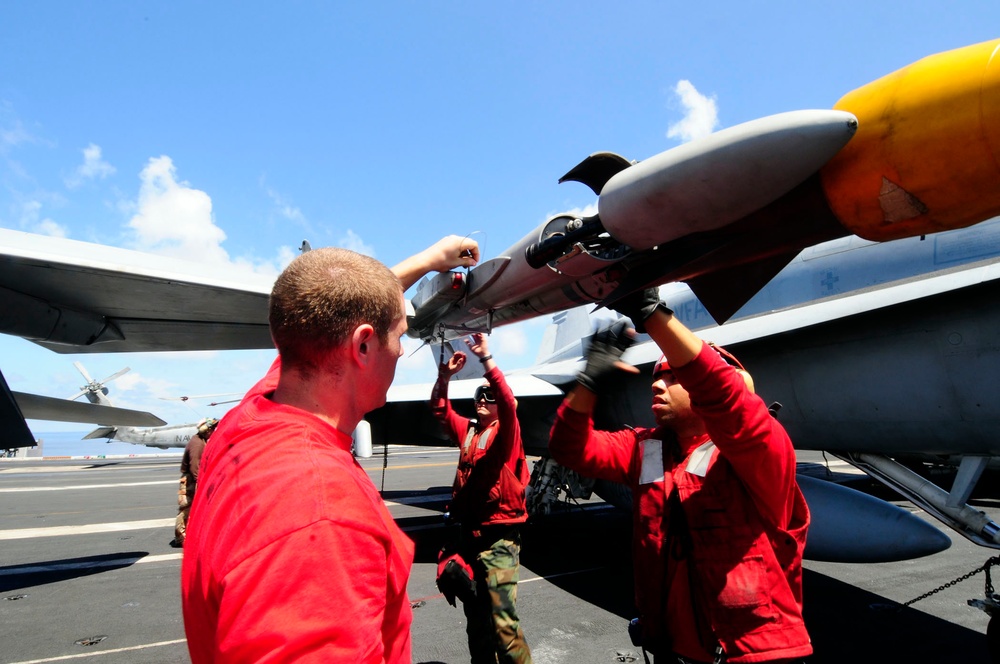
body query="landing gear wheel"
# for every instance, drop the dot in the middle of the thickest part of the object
(993, 639)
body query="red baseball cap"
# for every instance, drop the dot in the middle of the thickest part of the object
(662, 365)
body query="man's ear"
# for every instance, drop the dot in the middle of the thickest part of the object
(363, 344)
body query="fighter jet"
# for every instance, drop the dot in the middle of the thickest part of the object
(910, 154)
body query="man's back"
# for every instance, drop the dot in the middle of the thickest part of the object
(286, 531)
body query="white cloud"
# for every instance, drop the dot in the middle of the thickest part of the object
(285, 209)
(353, 241)
(268, 267)
(174, 219)
(285, 256)
(586, 211)
(93, 167)
(509, 342)
(12, 131)
(134, 381)
(30, 220)
(417, 365)
(701, 115)
(48, 227)
(13, 135)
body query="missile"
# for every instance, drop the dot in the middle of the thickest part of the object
(708, 184)
(726, 167)
(926, 156)
(434, 295)
(915, 152)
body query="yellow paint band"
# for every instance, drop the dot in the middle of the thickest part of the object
(926, 156)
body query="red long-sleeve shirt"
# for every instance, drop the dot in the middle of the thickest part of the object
(291, 554)
(492, 472)
(746, 517)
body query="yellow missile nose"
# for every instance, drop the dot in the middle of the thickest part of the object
(926, 156)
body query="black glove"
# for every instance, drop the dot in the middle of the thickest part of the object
(455, 578)
(639, 306)
(606, 348)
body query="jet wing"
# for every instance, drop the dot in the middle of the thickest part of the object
(15, 407)
(522, 384)
(78, 297)
(406, 416)
(37, 407)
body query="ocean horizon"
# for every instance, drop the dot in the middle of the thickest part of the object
(71, 443)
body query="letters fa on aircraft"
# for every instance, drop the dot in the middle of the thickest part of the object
(899, 366)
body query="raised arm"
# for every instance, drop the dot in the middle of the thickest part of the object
(603, 360)
(573, 442)
(506, 403)
(738, 421)
(447, 253)
(440, 406)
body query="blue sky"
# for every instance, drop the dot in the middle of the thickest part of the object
(229, 132)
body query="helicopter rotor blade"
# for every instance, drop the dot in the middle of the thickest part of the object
(79, 367)
(114, 375)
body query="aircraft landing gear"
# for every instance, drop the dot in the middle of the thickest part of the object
(991, 605)
(992, 608)
(993, 638)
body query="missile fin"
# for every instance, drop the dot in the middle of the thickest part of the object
(723, 292)
(596, 170)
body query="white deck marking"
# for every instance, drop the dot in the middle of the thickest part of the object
(417, 500)
(100, 653)
(26, 489)
(56, 531)
(124, 561)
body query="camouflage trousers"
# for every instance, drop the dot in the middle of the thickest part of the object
(185, 494)
(493, 627)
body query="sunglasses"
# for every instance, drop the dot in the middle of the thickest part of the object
(484, 393)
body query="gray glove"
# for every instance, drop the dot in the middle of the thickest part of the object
(639, 306)
(606, 348)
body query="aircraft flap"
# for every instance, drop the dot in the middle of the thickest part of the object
(100, 432)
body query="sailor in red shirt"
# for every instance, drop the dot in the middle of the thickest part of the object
(719, 520)
(291, 554)
(488, 502)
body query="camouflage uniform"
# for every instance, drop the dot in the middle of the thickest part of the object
(189, 478)
(185, 494)
(493, 626)
(488, 502)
